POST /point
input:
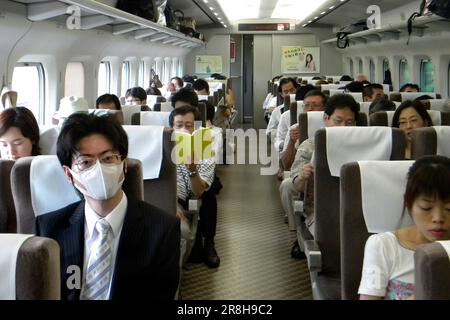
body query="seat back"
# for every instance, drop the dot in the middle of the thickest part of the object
(414, 95)
(36, 268)
(117, 114)
(32, 191)
(295, 110)
(151, 118)
(432, 271)
(129, 110)
(8, 223)
(430, 141)
(363, 184)
(368, 143)
(153, 147)
(384, 118)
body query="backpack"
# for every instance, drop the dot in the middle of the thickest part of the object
(342, 34)
(171, 20)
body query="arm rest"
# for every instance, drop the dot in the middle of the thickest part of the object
(314, 256)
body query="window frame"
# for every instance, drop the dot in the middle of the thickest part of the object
(41, 78)
(423, 85)
(107, 65)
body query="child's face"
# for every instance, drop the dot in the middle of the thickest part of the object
(432, 217)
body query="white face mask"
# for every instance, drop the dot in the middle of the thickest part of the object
(101, 182)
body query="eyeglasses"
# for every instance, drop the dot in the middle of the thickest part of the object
(84, 162)
(413, 122)
(341, 122)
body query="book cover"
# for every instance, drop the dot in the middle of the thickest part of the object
(193, 147)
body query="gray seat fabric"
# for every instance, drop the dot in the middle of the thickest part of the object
(162, 192)
(38, 270)
(327, 206)
(8, 223)
(117, 114)
(423, 142)
(20, 186)
(432, 273)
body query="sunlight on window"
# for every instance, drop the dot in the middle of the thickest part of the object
(104, 72)
(74, 83)
(28, 81)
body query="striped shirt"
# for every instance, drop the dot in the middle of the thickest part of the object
(206, 171)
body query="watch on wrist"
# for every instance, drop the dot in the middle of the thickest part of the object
(192, 173)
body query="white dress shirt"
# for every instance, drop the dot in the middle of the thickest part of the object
(274, 120)
(115, 219)
(282, 131)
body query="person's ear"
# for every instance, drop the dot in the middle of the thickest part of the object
(68, 175)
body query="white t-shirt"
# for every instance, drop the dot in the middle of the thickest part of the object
(388, 269)
(274, 120)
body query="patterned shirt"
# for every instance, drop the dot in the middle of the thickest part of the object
(206, 171)
(303, 156)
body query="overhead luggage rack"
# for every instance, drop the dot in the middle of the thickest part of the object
(94, 14)
(393, 31)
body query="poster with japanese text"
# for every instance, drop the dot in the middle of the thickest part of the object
(300, 59)
(208, 64)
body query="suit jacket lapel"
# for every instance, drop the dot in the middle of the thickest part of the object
(72, 247)
(130, 238)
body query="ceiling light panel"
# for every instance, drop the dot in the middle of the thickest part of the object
(295, 9)
(240, 9)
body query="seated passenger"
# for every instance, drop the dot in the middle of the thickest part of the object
(286, 87)
(340, 110)
(388, 269)
(201, 87)
(19, 134)
(183, 97)
(354, 86)
(372, 91)
(195, 180)
(410, 87)
(302, 91)
(177, 82)
(108, 101)
(123, 248)
(136, 96)
(345, 78)
(410, 115)
(381, 104)
(315, 100)
(68, 106)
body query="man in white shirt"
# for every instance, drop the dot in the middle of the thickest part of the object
(287, 86)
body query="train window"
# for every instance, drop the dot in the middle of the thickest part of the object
(352, 70)
(360, 66)
(167, 69)
(174, 70)
(427, 76)
(74, 80)
(125, 76)
(372, 71)
(404, 72)
(104, 77)
(29, 82)
(141, 74)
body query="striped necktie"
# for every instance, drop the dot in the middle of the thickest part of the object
(98, 273)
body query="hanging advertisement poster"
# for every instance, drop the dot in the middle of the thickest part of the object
(300, 59)
(208, 64)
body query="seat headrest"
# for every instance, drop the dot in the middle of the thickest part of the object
(315, 122)
(8, 98)
(299, 107)
(414, 95)
(383, 185)
(154, 118)
(128, 111)
(443, 143)
(446, 246)
(166, 107)
(146, 145)
(438, 104)
(9, 250)
(435, 117)
(348, 144)
(42, 170)
(364, 107)
(48, 138)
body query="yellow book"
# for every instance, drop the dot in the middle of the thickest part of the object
(193, 147)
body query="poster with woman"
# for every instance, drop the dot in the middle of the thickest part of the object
(300, 59)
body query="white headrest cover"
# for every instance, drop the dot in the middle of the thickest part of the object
(390, 115)
(330, 86)
(438, 104)
(202, 97)
(414, 95)
(292, 98)
(9, 250)
(446, 245)
(435, 117)
(48, 182)
(299, 107)
(166, 107)
(128, 111)
(347, 144)
(385, 88)
(336, 91)
(383, 185)
(155, 118)
(47, 140)
(151, 100)
(315, 122)
(357, 96)
(146, 144)
(364, 106)
(443, 142)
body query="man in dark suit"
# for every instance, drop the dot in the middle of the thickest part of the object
(112, 247)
